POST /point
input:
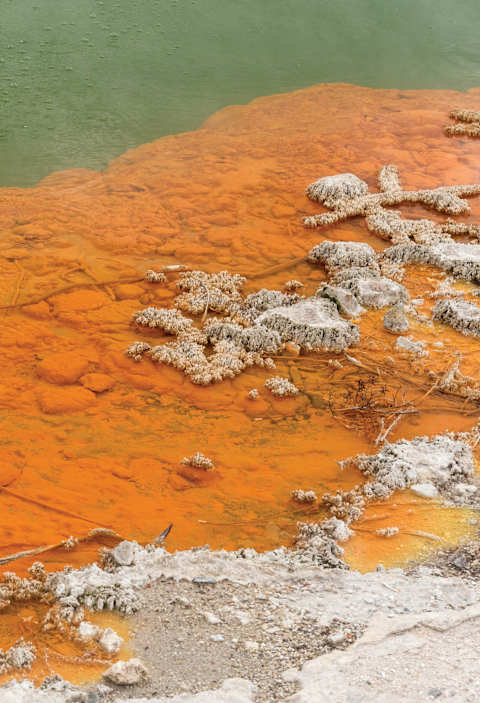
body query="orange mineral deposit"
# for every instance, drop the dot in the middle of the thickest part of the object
(93, 439)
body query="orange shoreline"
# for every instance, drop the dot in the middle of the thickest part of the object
(91, 438)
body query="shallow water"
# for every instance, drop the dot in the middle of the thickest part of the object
(82, 82)
(75, 249)
(92, 439)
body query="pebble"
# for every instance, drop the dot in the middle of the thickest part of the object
(217, 638)
(337, 638)
(110, 641)
(242, 617)
(126, 673)
(211, 618)
(425, 490)
(87, 630)
(123, 553)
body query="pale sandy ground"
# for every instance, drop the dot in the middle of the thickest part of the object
(287, 635)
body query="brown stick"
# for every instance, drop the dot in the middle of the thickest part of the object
(45, 506)
(58, 545)
(278, 267)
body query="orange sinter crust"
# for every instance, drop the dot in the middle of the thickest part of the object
(92, 439)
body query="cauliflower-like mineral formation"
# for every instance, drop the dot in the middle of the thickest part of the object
(281, 387)
(198, 461)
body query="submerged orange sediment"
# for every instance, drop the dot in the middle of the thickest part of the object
(78, 662)
(85, 451)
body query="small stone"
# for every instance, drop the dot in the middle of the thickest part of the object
(183, 601)
(464, 489)
(242, 617)
(88, 631)
(395, 320)
(211, 618)
(217, 638)
(425, 490)
(387, 532)
(344, 299)
(126, 673)
(337, 638)
(407, 344)
(251, 646)
(110, 641)
(103, 689)
(461, 562)
(123, 553)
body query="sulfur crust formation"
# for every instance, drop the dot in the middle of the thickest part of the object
(353, 270)
(313, 324)
(459, 314)
(395, 320)
(252, 328)
(301, 496)
(468, 123)
(281, 387)
(198, 461)
(443, 463)
(460, 260)
(201, 291)
(441, 460)
(154, 277)
(345, 201)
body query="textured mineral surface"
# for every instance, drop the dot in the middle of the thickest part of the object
(313, 324)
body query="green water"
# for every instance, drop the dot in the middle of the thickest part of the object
(83, 80)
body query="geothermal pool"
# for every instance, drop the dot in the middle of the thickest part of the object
(92, 441)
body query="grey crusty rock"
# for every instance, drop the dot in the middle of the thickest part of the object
(340, 276)
(377, 292)
(313, 324)
(20, 656)
(123, 554)
(343, 205)
(343, 254)
(440, 460)
(461, 260)
(459, 314)
(407, 344)
(341, 185)
(256, 338)
(265, 299)
(319, 541)
(425, 490)
(395, 320)
(344, 299)
(126, 673)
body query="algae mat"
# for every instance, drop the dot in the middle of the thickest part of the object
(92, 439)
